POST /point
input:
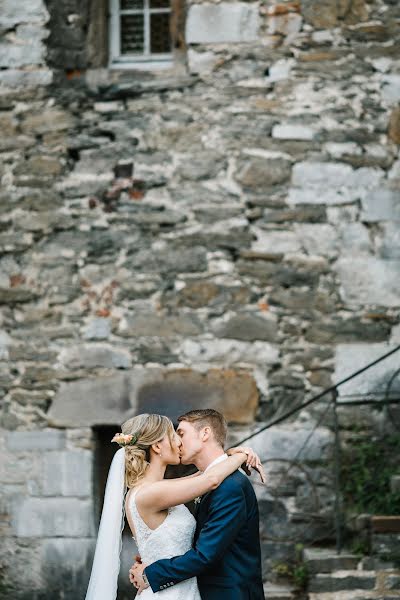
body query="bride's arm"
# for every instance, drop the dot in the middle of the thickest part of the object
(191, 475)
(171, 492)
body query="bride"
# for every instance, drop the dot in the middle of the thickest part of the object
(160, 523)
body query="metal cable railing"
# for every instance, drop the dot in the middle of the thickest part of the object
(314, 399)
(333, 404)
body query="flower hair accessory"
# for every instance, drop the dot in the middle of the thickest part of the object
(124, 439)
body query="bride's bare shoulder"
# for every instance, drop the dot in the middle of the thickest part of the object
(143, 493)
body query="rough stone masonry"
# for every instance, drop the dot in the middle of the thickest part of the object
(225, 231)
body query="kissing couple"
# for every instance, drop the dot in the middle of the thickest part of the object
(215, 554)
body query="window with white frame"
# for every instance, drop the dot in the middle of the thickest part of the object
(140, 32)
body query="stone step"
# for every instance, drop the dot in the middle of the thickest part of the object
(353, 595)
(273, 591)
(326, 560)
(374, 563)
(342, 581)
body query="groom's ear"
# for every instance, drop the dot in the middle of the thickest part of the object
(205, 433)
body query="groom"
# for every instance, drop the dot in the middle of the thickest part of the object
(226, 557)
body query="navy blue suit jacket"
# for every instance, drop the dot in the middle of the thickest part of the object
(226, 557)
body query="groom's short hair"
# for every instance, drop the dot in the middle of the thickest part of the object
(208, 417)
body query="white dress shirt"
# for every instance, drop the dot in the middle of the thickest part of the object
(216, 461)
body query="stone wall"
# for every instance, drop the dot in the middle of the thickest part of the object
(23, 55)
(231, 225)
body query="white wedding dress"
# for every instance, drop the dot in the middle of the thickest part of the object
(173, 537)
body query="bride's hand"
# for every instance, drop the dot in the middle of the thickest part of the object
(260, 470)
(253, 460)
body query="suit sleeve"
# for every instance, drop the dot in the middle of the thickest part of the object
(227, 514)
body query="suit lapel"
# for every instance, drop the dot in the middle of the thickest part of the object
(197, 505)
(203, 498)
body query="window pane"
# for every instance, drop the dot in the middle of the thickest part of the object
(132, 34)
(159, 3)
(131, 4)
(160, 38)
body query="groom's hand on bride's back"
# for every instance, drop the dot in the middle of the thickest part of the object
(138, 561)
(138, 577)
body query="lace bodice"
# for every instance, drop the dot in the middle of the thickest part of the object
(173, 537)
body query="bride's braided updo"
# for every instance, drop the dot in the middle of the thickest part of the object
(147, 429)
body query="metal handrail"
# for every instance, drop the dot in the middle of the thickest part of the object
(328, 390)
(333, 390)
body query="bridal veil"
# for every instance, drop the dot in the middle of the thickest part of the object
(106, 563)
